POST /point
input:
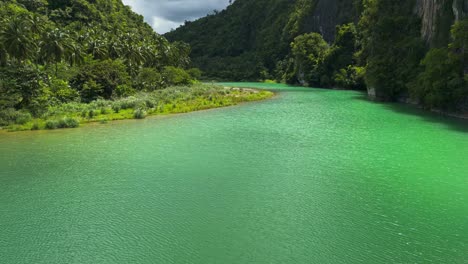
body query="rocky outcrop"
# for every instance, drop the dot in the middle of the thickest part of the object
(327, 15)
(428, 10)
(460, 9)
(437, 16)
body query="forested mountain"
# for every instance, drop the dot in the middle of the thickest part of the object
(60, 51)
(412, 50)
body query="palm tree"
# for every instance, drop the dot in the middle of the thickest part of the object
(37, 23)
(153, 58)
(133, 55)
(3, 56)
(17, 39)
(98, 49)
(114, 49)
(54, 46)
(74, 55)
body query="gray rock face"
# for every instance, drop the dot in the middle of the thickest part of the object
(460, 9)
(428, 11)
(327, 15)
(435, 14)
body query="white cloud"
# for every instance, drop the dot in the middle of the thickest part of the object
(162, 25)
(165, 15)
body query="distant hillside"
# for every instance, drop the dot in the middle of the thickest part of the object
(258, 33)
(389, 47)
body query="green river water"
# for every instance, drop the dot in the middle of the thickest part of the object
(310, 176)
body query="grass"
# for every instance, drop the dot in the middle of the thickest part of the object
(162, 102)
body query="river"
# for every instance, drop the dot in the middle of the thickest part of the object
(310, 176)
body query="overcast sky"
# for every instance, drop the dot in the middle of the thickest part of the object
(163, 15)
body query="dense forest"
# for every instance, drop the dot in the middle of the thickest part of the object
(75, 51)
(405, 50)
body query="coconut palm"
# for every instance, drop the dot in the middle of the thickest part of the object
(3, 56)
(54, 46)
(74, 56)
(36, 22)
(98, 49)
(114, 49)
(134, 55)
(153, 58)
(17, 39)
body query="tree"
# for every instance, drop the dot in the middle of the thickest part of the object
(338, 68)
(100, 79)
(459, 45)
(74, 55)
(443, 82)
(308, 51)
(392, 47)
(17, 39)
(55, 45)
(97, 48)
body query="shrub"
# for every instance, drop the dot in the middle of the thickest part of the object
(62, 91)
(195, 73)
(35, 126)
(22, 118)
(149, 79)
(101, 79)
(150, 104)
(8, 116)
(91, 113)
(104, 111)
(68, 122)
(123, 91)
(116, 107)
(139, 114)
(51, 124)
(176, 76)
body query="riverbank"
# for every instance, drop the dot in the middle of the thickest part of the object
(173, 100)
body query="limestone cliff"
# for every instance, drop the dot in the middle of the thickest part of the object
(327, 14)
(253, 36)
(437, 16)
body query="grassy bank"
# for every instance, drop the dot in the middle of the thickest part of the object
(168, 101)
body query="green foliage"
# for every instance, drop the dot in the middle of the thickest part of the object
(18, 39)
(176, 76)
(11, 116)
(22, 118)
(51, 124)
(180, 99)
(91, 113)
(240, 42)
(35, 126)
(308, 51)
(149, 79)
(351, 77)
(100, 79)
(392, 46)
(459, 44)
(443, 83)
(248, 39)
(68, 122)
(21, 87)
(139, 114)
(53, 52)
(195, 73)
(62, 91)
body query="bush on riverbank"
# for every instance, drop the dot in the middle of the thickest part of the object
(180, 99)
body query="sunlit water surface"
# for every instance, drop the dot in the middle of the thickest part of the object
(311, 176)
